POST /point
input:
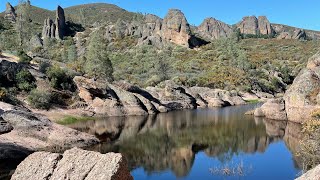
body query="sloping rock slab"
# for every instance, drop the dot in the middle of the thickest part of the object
(75, 164)
(313, 174)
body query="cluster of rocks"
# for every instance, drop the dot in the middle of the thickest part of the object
(153, 30)
(301, 100)
(255, 26)
(57, 28)
(121, 98)
(73, 164)
(212, 29)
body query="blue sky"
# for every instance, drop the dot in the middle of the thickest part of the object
(304, 14)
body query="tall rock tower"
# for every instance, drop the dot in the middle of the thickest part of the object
(55, 29)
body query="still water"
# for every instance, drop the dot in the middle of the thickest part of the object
(201, 144)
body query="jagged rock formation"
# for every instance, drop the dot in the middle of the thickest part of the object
(255, 26)
(296, 34)
(152, 30)
(212, 29)
(55, 29)
(73, 164)
(175, 28)
(10, 13)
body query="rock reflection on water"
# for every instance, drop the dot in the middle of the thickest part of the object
(171, 140)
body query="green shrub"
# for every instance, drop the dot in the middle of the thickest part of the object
(23, 57)
(40, 99)
(44, 66)
(60, 78)
(25, 80)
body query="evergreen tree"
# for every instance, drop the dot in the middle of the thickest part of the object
(98, 64)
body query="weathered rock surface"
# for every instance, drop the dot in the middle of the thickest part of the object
(255, 26)
(121, 98)
(10, 13)
(272, 109)
(35, 132)
(301, 98)
(152, 30)
(8, 71)
(57, 28)
(175, 28)
(73, 164)
(313, 174)
(296, 34)
(212, 29)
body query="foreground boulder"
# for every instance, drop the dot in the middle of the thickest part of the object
(33, 132)
(303, 96)
(74, 164)
(313, 174)
(272, 109)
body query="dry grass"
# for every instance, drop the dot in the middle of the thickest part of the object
(232, 169)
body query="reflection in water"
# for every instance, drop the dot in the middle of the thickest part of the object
(172, 140)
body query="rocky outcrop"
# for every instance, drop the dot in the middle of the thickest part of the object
(57, 28)
(311, 175)
(73, 164)
(296, 34)
(122, 99)
(212, 29)
(175, 28)
(302, 98)
(255, 26)
(10, 13)
(272, 109)
(35, 132)
(152, 30)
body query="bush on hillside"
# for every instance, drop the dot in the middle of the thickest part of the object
(40, 99)
(25, 80)
(23, 57)
(60, 78)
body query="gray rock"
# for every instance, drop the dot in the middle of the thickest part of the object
(212, 29)
(272, 109)
(249, 25)
(35, 132)
(74, 164)
(255, 26)
(55, 29)
(301, 97)
(10, 13)
(5, 127)
(296, 34)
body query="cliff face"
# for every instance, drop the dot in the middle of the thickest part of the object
(255, 26)
(152, 30)
(212, 29)
(55, 29)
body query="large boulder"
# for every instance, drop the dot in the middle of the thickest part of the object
(255, 26)
(212, 29)
(302, 98)
(272, 109)
(104, 98)
(8, 71)
(73, 164)
(35, 132)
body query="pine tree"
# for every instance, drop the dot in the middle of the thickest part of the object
(98, 65)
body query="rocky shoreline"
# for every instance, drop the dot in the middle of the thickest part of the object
(301, 101)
